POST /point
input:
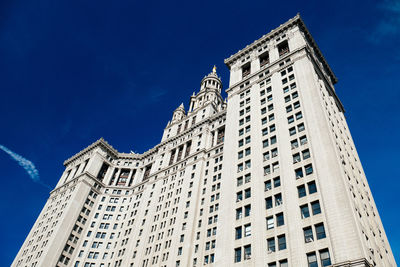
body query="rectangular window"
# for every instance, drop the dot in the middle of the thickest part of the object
(247, 210)
(308, 234)
(325, 258)
(312, 260)
(268, 186)
(238, 232)
(299, 173)
(239, 213)
(247, 252)
(270, 222)
(306, 154)
(309, 169)
(301, 191)
(316, 209)
(320, 231)
(280, 219)
(312, 188)
(271, 244)
(281, 242)
(305, 213)
(246, 70)
(247, 230)
(238, 254)
(264, 59)
(277, 182)
(268, 203)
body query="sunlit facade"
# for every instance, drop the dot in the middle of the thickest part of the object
(267, 177)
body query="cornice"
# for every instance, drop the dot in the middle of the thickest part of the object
(99, 143)
(297, 20)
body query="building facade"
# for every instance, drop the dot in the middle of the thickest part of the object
(268, 177)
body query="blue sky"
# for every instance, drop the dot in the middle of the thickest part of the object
(74, 71)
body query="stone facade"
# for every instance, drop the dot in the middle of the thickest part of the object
(268, 177)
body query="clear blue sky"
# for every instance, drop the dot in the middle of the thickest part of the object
(74, 71)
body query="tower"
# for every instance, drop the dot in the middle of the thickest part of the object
(269, 177)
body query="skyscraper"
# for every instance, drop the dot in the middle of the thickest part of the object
(268, 177)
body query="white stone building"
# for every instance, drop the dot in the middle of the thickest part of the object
(269, 177)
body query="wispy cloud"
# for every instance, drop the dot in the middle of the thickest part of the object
(26, 164)
(389, 24)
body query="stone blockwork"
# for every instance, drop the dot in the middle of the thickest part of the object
(268, 177)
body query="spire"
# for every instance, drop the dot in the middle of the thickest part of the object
(214, 70)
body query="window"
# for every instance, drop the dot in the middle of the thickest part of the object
(283, 263)
(312, 188)
(247, 230)
(247, 210)
(247, 193)
(299, 173)
(325, 258)
(239, 213)
(294, 144)
(280, 219)
(238, 254)
(278, 199)
(270, 222)
(312, 260)
(271, 244)
(290, 119)
(277, 182)
(305, 213)
(268, 202)
(303, 140)
(292, 131)
(239, 196)
(274, 152)
(316, 209)
(299, 116)
(301, 127)
(281, 242)
(309, 169)
(239, 181)
(283, 48)
(301, 191)
(308, 234)
(320, 231)
(306, 154)
(264, 59)
(246, 70)
(247, 252)
(238, 232)
(296, 158)
(268, 186)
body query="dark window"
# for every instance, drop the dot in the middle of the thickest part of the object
(308, 235)
(238, 254)
(312, 188)
(271, 244)
(305, 213)
(281, 242)
(316, 209)
(245, 70)
(280, 219)
(238, 232)
(320, 231)
(283, 48)
(302, 191)
(264, 59)
(312, 260)
(325, 258)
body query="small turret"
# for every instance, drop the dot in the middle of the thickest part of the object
(179, 113)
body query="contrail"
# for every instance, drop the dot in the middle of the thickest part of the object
(26, 164)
